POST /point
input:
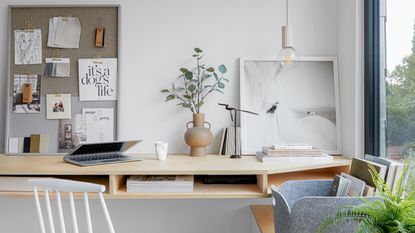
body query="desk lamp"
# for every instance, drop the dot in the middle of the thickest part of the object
(234, 119)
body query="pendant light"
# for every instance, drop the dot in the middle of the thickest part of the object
(287, 55)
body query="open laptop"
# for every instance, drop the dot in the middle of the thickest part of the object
(101, 153)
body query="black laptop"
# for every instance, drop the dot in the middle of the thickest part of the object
(101, 153)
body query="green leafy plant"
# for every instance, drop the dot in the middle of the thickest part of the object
(394, 214)
(197, 84)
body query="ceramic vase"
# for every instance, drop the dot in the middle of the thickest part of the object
(198, 137)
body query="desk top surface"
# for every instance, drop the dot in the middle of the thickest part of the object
(175, 164)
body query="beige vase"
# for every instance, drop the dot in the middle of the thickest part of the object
(198, 137)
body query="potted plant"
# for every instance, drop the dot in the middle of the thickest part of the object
(394, 213)
(191, 89)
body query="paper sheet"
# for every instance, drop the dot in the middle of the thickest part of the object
(99, 124)
(97, 79)
(57, 67)
(64, 32)
(27, 47)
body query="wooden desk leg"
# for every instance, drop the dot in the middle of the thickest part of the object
(264, 218)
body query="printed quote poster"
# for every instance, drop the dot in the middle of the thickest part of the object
(97, 79)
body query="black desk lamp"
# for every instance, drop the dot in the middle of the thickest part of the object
(235, 111)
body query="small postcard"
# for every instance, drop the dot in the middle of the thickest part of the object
(58, 106)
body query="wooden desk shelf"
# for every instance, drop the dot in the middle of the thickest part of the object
(114, 176)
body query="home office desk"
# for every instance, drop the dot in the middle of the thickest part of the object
(114, 176)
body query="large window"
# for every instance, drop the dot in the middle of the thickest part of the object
(390, 78)
(399, 88)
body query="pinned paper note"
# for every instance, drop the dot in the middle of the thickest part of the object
(97, 79)
(99, 124)
(58, 106)
(27, 47)
(57, 67)
(64, 32)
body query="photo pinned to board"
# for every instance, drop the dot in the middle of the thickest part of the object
(26, 93)
(58, 106)
(72, 132)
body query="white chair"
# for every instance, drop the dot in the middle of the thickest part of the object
(58, 185)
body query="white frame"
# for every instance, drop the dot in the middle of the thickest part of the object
(242, 61)
(9, 27)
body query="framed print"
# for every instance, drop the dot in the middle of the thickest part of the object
(299, 105)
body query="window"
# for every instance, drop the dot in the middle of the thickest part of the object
(390, 78)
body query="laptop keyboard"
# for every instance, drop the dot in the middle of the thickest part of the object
(82, 158)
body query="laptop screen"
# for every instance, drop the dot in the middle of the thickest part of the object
(98, 148)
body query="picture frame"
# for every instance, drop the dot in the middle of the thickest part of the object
(298, 105)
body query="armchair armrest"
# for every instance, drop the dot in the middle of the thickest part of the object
(296, 189)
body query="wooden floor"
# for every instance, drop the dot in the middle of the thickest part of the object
(264, 218)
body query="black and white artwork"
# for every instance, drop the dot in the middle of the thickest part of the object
(97, 79)
(27, 47)
(298, 105)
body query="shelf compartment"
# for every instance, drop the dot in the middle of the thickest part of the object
(200, 190)
(316, 174)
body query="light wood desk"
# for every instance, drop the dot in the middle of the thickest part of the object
(114, 176)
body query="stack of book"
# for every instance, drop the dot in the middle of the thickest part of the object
(160, 184)
(292, 152)
(360, 181)
(388, 169)
(339, 186)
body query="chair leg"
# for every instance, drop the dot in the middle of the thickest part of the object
(87, 213)
(60, 212)
(49, 212)
(73, 213)
(107, 215)
(39, 210)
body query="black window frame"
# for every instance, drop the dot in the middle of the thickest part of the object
(372, 77)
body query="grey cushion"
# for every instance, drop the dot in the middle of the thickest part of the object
(300, 206)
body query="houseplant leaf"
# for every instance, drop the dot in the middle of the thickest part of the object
(222, 69)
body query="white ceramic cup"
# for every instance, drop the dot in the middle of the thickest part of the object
(161, 150)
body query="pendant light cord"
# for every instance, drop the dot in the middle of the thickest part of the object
(286, 12)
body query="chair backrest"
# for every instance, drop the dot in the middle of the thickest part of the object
(59, 185)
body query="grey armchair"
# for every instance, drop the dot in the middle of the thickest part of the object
(300, 206)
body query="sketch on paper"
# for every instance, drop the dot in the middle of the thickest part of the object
(27, 47)
(299, 105)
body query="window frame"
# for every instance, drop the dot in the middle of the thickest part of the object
(372, 77)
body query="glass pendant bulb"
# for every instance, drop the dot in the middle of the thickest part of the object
(288, 56)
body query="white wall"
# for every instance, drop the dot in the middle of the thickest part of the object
(350, 40)
(157, 37)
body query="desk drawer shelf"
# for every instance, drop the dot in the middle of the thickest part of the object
(114, 176)
(200, 190)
